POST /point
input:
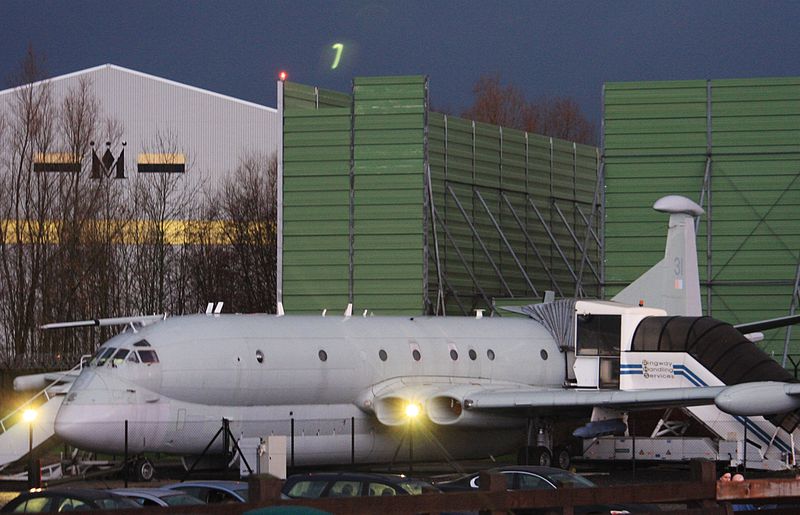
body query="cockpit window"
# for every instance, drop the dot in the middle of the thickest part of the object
(132, 358)
(142, 343)
(119, 357)
(148, 356)
(102, 357)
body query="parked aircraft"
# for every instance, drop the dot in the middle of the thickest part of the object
(348, 387)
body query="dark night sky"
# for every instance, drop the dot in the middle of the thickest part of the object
(545, 48)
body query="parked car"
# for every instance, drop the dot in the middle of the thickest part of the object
(67, 499)
(523, 477)
(344, 484)
(214, 492)
(157, 496)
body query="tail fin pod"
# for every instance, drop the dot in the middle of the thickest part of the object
(673, 283)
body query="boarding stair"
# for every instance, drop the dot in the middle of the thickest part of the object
(669, 352)
(17, 436)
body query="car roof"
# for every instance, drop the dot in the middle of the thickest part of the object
(223, 485)
(88, 493)
(536, 469)
(158, 492)
(352, 476)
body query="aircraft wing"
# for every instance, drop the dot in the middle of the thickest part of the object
(560, 399)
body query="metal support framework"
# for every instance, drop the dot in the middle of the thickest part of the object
(464, 263)
(792, 310)
(553, 239)
(575, 241)
(479, 240)
(530, 242)
(506, 243)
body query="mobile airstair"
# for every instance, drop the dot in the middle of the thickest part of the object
(681, 351)
(17, 435)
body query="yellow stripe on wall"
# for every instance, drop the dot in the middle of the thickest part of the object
(134, 232)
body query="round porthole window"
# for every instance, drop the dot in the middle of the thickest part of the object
(417, 356)
(543, 354)
(382, 354)
(323, 356)
(490, 354)
(453, 354)
(259, 356)
(473, 355)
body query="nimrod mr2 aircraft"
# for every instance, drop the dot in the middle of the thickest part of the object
(478, 386)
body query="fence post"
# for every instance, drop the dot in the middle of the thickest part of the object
(125, 464)
(292, 440)
(352, 440)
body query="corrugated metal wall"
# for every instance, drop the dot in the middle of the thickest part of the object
(316, 198)
(516, 207)
(389, 121)
(155, 115)
(734, 146)
(511, 208)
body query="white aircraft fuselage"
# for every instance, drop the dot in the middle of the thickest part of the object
(267, 374)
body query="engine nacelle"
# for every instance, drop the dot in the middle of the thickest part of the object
(448, 410)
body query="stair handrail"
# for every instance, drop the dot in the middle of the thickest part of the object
(43, 391)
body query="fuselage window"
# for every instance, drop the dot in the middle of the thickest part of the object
(382, 354)
(148, 356)
(259, 356)
(119, 357)
(473, 355)
(490, 354)
(543, 354)
(323, 356)
(103, 358)
(416, 355)
(453, 354)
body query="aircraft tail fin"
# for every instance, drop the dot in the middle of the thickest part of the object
(673, 284)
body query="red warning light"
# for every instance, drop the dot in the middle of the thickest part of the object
(282, 75)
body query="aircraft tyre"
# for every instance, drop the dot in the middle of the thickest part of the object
(144, 470)
(561, 457)
(542, 457)
(532, 455)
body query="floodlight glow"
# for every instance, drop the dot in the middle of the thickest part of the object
(29, 415)
(412, 410)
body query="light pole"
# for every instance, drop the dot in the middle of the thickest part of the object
(412, 411)
(29, 416)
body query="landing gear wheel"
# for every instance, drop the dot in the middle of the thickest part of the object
(541, 456)
(144, 470)
(531, 455)
(562, 457)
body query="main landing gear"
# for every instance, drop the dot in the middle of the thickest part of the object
(540, 450)
(143, 470)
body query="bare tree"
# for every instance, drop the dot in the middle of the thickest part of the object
(249, 205)
(159, 199)
(559, 117)
(54, 244)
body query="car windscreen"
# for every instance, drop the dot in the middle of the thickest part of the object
(179, 499)
(569, 480)
(417, 487)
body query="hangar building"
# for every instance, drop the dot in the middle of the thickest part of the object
(168, 127)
